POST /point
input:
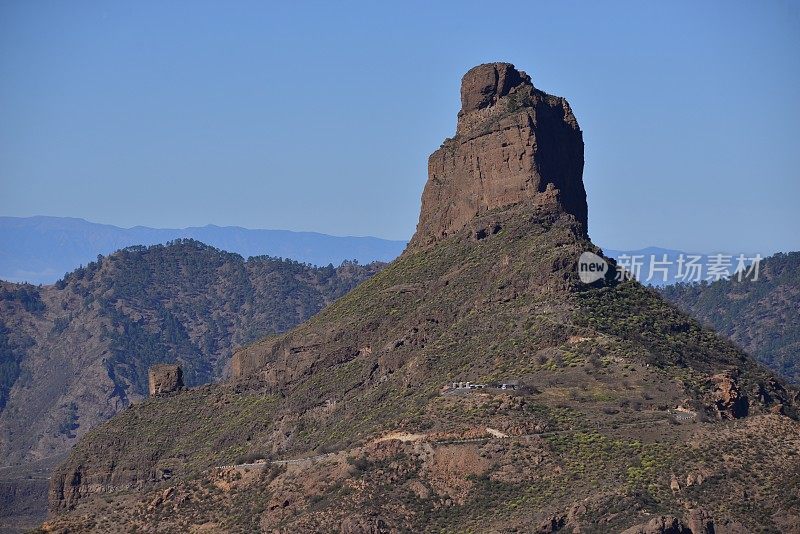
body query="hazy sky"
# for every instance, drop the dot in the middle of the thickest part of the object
(321, 116)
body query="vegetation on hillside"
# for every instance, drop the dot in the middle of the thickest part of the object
(602, 368)
(762, 316)
(102, 326)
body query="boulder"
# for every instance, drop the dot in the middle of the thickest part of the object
(165, 378)
(665, 524)
(484, 85)
(359, 524)
(729, 401)
(696, 522)
(551, 524)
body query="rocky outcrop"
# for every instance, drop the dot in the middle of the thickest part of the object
(696, 522)
(551, 524)
(513, 143)
(729, 401)
(164, 378)
(660, 525)
(364, 525)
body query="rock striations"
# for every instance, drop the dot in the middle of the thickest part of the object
(514, 143)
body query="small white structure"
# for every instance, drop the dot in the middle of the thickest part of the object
(683, 415)
(463, 387)
(467, 385)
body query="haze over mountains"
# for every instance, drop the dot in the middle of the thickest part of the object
(40, 250)
(621, 413)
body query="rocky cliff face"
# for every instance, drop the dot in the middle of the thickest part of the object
(516, 147)
(514, 143)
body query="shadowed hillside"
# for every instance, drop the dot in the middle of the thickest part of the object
(761, 316)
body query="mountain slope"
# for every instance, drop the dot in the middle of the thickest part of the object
(39, 250)
(596, 399)
(84, 346)
(374, 362)
(74, 354)
(762, 316)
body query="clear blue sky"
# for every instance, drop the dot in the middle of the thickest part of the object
(320, 116)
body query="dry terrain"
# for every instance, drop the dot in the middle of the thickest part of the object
(627, 414)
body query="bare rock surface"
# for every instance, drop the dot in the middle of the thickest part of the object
(165, 378)
(696, 522)
(514, 143)
(729, 401)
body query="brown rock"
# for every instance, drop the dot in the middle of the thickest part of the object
(694, 479)
(660, 525)
(164, 378)
(419, 489)
(729, 401)
(552, 524)
(513, 143)
(696, 522)
(484, 85)
(364, 525)
(700, 522)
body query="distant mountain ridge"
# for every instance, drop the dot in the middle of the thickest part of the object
(40, 249)
(184, 301)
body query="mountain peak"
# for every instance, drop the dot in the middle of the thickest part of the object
(483, 85)
(514, 143)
